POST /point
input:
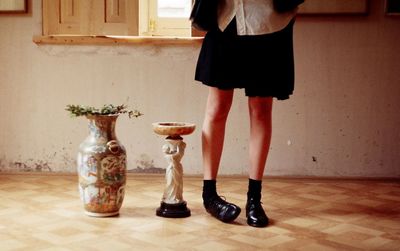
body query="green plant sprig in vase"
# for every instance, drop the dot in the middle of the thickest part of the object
(80, 110)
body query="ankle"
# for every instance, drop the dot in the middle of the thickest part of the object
(209, 191)
(254, 190)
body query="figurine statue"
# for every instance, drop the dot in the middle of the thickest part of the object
(172, 204)
(174, 151)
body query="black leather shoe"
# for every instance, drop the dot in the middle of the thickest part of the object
(222, 210)
(255, 214)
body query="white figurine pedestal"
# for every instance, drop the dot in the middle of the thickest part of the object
(172, 204)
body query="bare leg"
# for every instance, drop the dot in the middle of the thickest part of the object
(217, 110)
(218, 105)
(260, 110)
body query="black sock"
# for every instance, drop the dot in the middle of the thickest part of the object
(209, 190)
(254, 191)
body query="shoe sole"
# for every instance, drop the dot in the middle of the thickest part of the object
(256, 225)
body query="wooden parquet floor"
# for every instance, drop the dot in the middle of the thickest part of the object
(45, 213)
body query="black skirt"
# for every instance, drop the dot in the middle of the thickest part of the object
(262, 64)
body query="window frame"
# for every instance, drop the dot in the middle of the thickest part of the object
(52, 35)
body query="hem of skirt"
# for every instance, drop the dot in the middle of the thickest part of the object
(277, 96)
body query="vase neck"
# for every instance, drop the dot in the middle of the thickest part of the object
(102, 126)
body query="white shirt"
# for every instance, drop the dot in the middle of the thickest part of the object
(253, 17)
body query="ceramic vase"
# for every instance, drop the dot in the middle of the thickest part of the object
(102, 168)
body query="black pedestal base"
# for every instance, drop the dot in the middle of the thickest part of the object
(179, 210)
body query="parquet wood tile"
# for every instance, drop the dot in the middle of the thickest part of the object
(45, 213)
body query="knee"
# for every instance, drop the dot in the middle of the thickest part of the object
(260, 114)
(261, 110)
(217, 112)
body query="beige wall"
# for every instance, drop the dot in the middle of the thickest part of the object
(342, 121)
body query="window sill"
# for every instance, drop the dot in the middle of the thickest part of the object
(115, 40)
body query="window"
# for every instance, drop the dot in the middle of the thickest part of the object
(117, 17)
(168, 18)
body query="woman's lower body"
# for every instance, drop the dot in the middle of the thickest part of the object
(227, 62)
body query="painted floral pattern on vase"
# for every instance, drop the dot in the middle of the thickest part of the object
(102, 168)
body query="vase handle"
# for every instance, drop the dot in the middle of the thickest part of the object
(113, 146)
